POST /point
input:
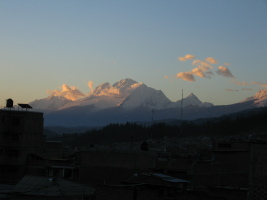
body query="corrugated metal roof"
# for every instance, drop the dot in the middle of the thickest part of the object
(46, 186)
(5, 188)
(169, 178)
(156, 179)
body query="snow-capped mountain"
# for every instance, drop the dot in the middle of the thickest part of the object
(126, 94)
(260, 98)
(125, 100)
(106, 95)
(191, 100)
(51, 103)
(147, 97)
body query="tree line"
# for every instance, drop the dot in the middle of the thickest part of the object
(253, 121)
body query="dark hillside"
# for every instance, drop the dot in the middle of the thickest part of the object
(249, 122)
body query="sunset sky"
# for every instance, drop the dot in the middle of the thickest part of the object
(214, 49)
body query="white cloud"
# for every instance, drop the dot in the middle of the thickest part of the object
(186, 57)
(211, 60)
(239, 83)
(203, 69)
(259, 84)
(69, 92)
(247, 89)
(231, 90)
(187, 76)
(202, 65)
(198, 72)
(167, 77)
(90, 85)
(224, 71)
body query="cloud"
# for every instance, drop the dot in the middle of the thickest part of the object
(203, 69)
(226, 64)
(231, 90)
(239, 83)
(69, 92)
(90, 85)
(186, 57)
(202, 65)
(136, 85)
(198, 72)
(211, 60)
(187, 76)
(247, 89)
(259, 84)
(224, 71)
(109, 91)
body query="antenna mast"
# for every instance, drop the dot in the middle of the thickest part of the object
(182, 104)
(182, 101)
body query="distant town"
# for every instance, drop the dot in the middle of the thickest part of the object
(221, 158)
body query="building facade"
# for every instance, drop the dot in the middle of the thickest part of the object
(21, 134)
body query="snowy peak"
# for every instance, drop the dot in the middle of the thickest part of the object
(106, 95)
(124, 84)
(191, 100)
(261, 94)
(121, 88)
(260, 98)
(50, 103)
(102, 89)
(146, 97)
(126, 93)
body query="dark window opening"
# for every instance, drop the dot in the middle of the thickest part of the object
(15, 137)
(13, 153)
(41, 172)
(225, 145)
(16, 121)
(67, 173)
(12, 169)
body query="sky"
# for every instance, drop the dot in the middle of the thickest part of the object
(214, 49)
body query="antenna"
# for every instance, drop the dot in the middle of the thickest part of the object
(152, 119)
(182, 101)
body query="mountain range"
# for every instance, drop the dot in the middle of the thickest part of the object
(127, 101)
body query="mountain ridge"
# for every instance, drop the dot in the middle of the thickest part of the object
(128, 100)
(125, 93)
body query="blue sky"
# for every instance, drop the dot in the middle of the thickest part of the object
(45, 44)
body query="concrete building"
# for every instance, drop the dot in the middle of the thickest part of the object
(236, 169)
(21, 134)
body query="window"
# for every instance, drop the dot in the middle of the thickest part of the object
(12, 169)
(41, 172)
(13, 153)
(225, 145)
(16, 121)
(67, 173)
(15, 137)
